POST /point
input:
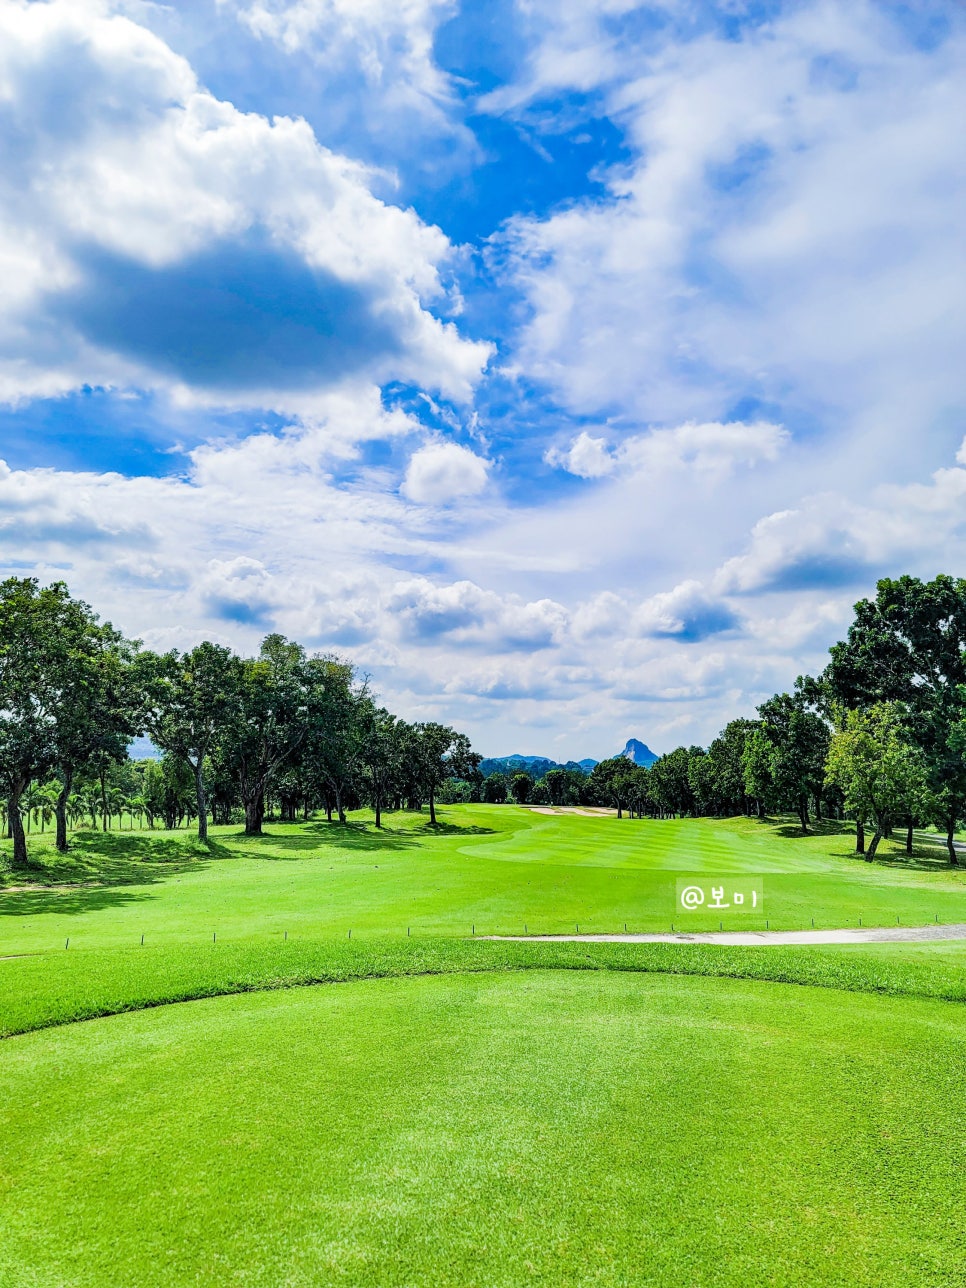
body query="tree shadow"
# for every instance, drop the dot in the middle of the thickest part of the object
(67, 900)
(320, 835)
(103, 859)
(792, 829)
(454, 829)
(925, 857)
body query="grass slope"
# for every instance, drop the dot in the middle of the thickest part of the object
(50, 990)
(498, 868)
(553, 1128)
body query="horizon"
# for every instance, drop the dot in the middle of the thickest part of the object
(565, 368)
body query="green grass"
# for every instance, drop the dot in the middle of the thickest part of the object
(554, 1128)
(498, 868)
(48, 990)
(453, 1111)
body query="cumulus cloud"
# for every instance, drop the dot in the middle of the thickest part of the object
(587, 457)
(469, 614)
(152, 234)
(443, 472)
(686, 613)
(786, 229)
(709, 448)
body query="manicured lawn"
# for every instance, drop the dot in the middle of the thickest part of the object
(431, 1108)
(499, 869)
(561, 1127)
(59, 988)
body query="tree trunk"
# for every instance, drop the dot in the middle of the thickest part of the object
(859, 836)
(432, 808)
(803, 814)
(818, 807)
(60, 810)
(378, 804)
(340, 808)
(15, 823)
(619, 813)
(200, 798)
(950, 842)
(254, 813)
(909, 835)
(873, 845)
(761, 809)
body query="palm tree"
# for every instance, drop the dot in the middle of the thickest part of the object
(76, 810)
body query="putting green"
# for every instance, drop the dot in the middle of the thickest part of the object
(543, 1127)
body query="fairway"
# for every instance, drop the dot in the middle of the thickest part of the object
(413, 1104)
(550, 1127)
(488, 870)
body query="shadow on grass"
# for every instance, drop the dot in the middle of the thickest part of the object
(66, 900)
(453, 829)
(87, 876)
(791, 829)
(925, 856)
(318, 835)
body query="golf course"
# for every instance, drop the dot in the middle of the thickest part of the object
(348, 1057)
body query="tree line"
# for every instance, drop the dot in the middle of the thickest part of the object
(879, 737)
(237, 733)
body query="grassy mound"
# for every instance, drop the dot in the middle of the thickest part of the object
(49, 990)
(494, 1129)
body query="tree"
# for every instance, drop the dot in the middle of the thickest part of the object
(379, 752)
(99, 703)
(278, 708)
(195, 697)
(670, 780)
(880, 773)
(718, 780)
(440, 753)
(521, 788)
(908, 645)
(613, 781)
(797, 740)
(495, 789)
(35, 662)
(333, 748)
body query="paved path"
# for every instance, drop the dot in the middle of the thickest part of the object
(867, 935)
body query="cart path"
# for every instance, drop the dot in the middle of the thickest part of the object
(855, 935)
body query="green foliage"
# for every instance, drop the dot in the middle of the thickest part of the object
(495, 789)
(880, 773)
(521, 788)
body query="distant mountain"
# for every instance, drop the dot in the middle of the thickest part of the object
(535, 766)
(639, 752)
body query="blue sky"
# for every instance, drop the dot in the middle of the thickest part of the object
(572, 365)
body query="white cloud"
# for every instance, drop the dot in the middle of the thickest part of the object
(154, 235)
(587, 457)
(391, 42)
(711, 448)
(788, 229)
(259, 536)
(686, 613)
(444, 472)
